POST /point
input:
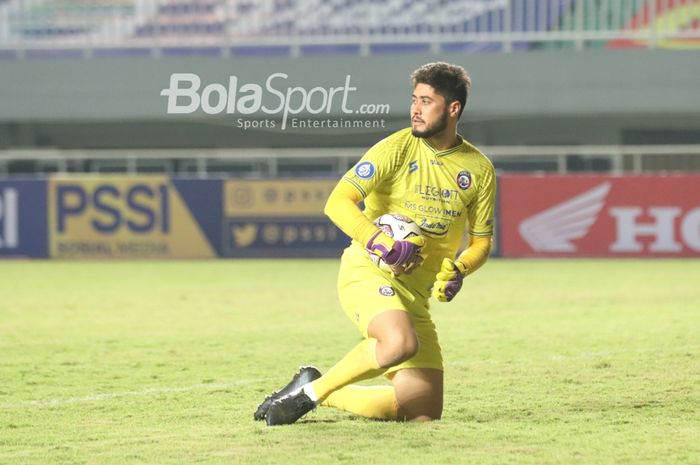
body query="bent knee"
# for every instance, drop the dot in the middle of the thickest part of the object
(409, 347)
(398, 350)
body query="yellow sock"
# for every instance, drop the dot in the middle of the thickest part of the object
(368, 401)
(360, 363)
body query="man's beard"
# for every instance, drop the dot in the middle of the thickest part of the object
(430, 131)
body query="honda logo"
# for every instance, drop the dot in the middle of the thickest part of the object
(554, 229)
(640, 228)
(662, 229)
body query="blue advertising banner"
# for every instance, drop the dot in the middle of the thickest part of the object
(279, 218)
(156, 216)
(284, 237)
(23, 213)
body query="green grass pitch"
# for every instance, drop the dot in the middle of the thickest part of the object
(547, 362)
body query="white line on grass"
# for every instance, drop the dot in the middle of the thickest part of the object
(117, 395)
(213, 387)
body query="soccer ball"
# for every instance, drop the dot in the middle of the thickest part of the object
(398, 227)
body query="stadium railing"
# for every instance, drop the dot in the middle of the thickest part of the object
(324, 162)
(86, 28)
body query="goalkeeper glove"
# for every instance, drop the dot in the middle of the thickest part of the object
(449, 280)
(402, 256)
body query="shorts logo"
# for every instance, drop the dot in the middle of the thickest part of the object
(464, 180)
(365, 170)
(387, 291)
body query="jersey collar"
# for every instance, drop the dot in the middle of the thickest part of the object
(441, 153)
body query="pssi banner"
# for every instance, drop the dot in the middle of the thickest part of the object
(133, 217)
(279, 218)
(159, 217)
(601, 216)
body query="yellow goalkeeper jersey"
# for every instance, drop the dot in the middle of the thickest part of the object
(444, 192)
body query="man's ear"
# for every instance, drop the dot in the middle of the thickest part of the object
(454, 108)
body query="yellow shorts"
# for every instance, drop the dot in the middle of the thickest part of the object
(365, 291)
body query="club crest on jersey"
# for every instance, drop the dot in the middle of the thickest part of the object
(464, 180)
(365, 170)
(387, 291)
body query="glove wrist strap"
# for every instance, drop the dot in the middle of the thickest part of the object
(461, 268)
(376, 246)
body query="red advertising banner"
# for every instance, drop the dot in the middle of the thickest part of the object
(599, 216)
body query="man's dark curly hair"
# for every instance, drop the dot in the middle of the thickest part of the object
(450, 81)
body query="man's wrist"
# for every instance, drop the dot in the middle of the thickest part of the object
(462, 268)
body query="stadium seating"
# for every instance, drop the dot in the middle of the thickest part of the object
(62, 19)
(375, 26)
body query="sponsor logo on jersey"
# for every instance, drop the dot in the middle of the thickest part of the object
(365, 170)
(387, 291)
(413, 166)
(464, 180)
(437, 193)
(433, 226)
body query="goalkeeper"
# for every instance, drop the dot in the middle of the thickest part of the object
(427, 172)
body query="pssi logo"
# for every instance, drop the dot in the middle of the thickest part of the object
(111, 208)
(9, 218)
